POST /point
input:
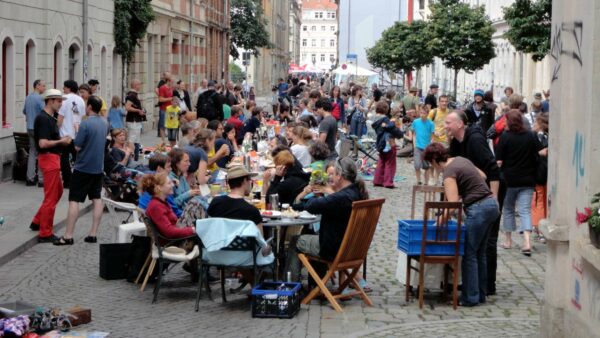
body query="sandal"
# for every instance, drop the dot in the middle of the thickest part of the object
(63, 241)
(90, 239)
(526, 252)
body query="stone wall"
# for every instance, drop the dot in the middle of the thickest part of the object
(572, 290)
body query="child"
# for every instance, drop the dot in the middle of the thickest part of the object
(386, 146)
(116, 114)
(423, 129)
(172, 121)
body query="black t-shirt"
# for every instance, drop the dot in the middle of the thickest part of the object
(135, 103)
(518, 153)
(234, 208)
(45, 127)
(431, 100)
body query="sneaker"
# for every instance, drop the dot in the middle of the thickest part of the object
(387, 148)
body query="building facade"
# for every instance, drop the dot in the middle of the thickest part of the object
(509, 68)
(46, 40)
(318, 45)
(295, 26)
(272, 63)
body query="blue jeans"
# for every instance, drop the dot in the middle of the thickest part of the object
(161, 120)
(519, 199)
(357, 127)
(478, 222)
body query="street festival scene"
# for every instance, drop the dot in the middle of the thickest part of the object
(299, 168)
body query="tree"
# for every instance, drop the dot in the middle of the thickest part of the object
(236, 74)
(529, 26)
(248, 27)
(402, 48)
(461, 36)
(131, 21)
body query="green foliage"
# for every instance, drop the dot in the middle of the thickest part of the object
(132, 18)
(402, 47)
(530, 28)
(248, 27)
(461, 36)
(235, 72)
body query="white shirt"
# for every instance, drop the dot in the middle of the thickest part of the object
(301, 153)
(72, 110)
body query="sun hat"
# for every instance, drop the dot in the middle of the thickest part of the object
(53, 94)
(239, 171)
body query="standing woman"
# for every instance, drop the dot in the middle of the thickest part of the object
(539, 203)
(517, 153)
(357, 110)
(337, 105)
(463, 181)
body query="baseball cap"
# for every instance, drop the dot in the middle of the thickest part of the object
(212, 83)
(239, 171)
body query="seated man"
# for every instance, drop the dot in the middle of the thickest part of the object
(335, 210)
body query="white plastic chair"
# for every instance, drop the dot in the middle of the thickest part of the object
(133, 224)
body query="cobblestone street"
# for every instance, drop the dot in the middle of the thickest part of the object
(67, 276)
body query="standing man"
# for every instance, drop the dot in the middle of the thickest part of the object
(34, 104)
(203, 87)
(479, 113)
(282, 89)
(327, 127)
(470, 143)
(411, 102)
(135, 116)
(94, 86)
(87, 173)
(438, 117)
(165, 95)
(431, 98)
(49, 146)
(69, 118)
(209, 104)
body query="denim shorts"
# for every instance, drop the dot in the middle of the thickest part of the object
(161, 119)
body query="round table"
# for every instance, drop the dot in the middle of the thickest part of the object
(279, 224)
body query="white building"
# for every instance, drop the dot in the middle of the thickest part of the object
(318, 37)
(509, 68)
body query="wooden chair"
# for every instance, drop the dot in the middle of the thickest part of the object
(22, 155)
(351, 255)
(161, 253)
(429, 194)
(441, 212)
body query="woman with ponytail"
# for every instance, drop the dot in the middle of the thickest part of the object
(335, 210)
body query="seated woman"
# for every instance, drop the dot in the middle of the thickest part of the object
(288, 177)
(225, 135)
(119, 150)
(198, 153)
(335, 210)
(160, 186)
(463, 181)
(189, 200)
(301, 138)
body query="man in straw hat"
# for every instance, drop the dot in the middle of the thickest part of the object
(49, 145)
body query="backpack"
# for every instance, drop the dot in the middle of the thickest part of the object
(206, 106)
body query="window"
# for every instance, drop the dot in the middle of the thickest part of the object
(318, 15)
(323, 28)
(58, 65)
(29, 65)
(333, 28)
(303, 42)
(313, 43)
(322, 42)
(332, 43)
(333, 15)
(322, 57)
(304, 28)
(332, 58)
(90, 66)
(103, 84)
(116, 85)
(313, 28)
(75, 67)
(313, 57)
(421, 4)
(8, 80)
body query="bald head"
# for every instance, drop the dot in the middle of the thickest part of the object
(455, 125)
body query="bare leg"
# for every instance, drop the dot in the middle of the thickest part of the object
(97, 216)
(427, 171)
(508, 239)
(72, 216)
(526, 240)
(418, 174)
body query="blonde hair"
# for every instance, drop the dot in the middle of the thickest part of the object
(151, 182)
(303, 133)
(203, 137)
(203, 122)
(115, 102)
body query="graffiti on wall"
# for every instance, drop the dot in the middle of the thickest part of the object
(567, 40)
(577, 267)
(578, 158)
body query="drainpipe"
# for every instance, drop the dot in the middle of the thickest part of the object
(84, 48)
(190, 43)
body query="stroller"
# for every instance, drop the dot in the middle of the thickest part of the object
(119, 182)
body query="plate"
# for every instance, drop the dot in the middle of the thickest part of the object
(271, 213)
(306, 215)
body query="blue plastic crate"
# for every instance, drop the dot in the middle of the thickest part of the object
(410, 235)
(269, 301)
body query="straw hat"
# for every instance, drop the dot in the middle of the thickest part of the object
(239, 171)
(53, 94)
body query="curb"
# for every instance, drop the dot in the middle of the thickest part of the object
(21, 248)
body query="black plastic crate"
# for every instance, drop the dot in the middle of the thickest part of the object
(276, 300)
(114, 260)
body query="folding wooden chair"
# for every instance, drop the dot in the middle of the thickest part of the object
(442, 212)
(350, 257)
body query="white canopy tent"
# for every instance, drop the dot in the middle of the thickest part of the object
(356, 74)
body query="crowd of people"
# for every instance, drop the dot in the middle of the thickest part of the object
(489, 156)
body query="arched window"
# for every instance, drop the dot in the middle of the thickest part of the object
(58, 65)
(29, 65)
(103, 84)
(8, 81)
(75, 63)
(89, 70)
(116, 75)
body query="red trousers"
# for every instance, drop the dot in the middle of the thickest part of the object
(53, 190)
(386, 168)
